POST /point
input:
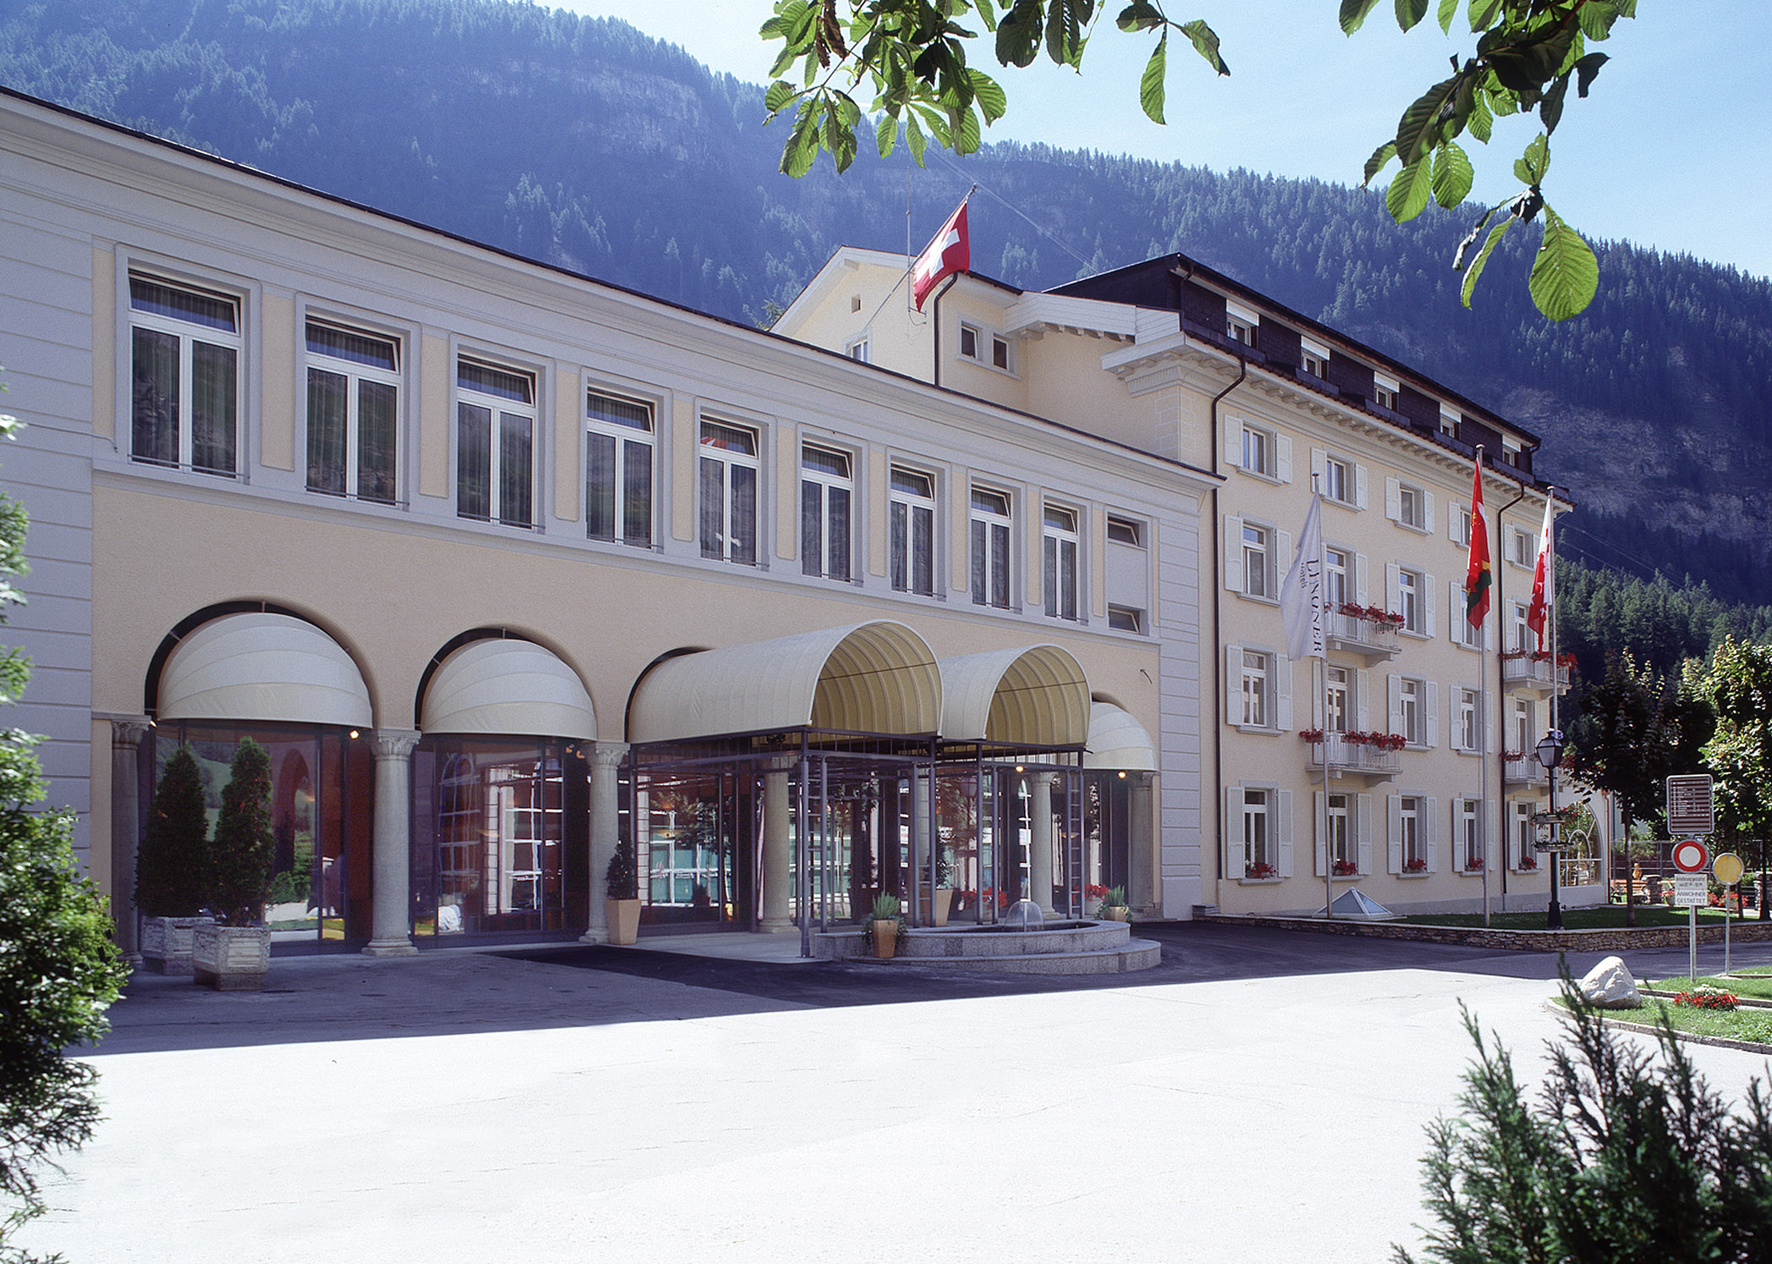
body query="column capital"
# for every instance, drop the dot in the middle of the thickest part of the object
(609, 754)
(127, 734)
(395, 743)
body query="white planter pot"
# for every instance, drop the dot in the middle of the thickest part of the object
(231, 958)
(166, 943)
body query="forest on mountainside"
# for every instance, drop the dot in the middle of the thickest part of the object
(582, 143)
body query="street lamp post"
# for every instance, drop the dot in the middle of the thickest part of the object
(1550, 754)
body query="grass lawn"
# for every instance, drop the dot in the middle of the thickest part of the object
(1604, 917)
(1755, 982)
(1741, 1024)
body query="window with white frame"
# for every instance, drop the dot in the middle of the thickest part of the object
(1411, 601)
(1384, 393)
(1260, 855)
(728, 484)
(1258, 709)
(494, 444)
(1524, 835)
(827, 487)
(858, 349)
(1338, 479)
(1473, 636)
(970, 339)
(1412, 710)
(1468, 834)
(988, 548)
(911, 547)
(1525, 733)
(618, 468)
(1343, 850)
(184, 376)
(1000, 354)
(353, 412)
(1240, 328)
(1125, 531)
(1459, 529)
(1314, 363)
(1337, 699)
(1336, 563)
(1258, 560)
(1470, 721)
(1410, 839)
(1058, 559)
(1411, 506)
(1125, 618)
(1259, 451)
(1522, 630)
(983, 347)
(1522, 549)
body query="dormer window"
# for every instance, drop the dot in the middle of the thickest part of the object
(1240, 323)
(1384, 391)
(1314, 358)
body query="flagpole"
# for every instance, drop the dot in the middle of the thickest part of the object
(1482, 727)
(1323, 672)
(1554, 920)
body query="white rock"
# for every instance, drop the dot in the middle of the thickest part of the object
(1610, 986)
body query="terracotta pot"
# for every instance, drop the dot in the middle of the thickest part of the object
(624, 920)
(885, 937)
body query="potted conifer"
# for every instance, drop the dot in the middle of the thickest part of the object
(622, 907)
(170, 866)
(235, 953)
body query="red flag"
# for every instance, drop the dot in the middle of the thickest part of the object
(1544, 584)
(1478, 577)
(948, 252)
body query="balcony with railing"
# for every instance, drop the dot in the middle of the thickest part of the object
(1521, 769)
(1372, 635)
(1350, 757)
(1528, 671)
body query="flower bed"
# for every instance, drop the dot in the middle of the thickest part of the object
(1705, 996)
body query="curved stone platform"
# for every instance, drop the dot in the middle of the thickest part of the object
(1072, 947)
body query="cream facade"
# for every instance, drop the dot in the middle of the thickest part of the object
(1424, 725)
(506, 566)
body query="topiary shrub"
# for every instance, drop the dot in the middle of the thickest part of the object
(172, 864)
(244, 850)
(622, 878)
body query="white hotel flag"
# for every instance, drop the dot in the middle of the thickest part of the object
(1301, 595)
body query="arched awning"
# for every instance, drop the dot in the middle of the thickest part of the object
(1035, 696)
(866, 678)
(507, 686)
(261, 666)
(1116, 740)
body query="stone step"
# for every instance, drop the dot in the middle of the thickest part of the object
(1138, 954)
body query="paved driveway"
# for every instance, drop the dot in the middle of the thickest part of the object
(1260, 1095)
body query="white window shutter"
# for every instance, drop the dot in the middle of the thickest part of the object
(1319, 463)
(1317, 716)
(1233, 832)
(1360, 486)
(1455, 839)
(1433, 835)
(1491, 720)
(1233, 442)
(1393, 499)
(1317, 831)
(1281, 561)
(1428, 603)
(1433, 715)
(1233, 684)
(1233, 553)
(1396, 703)
(1393, 587)
(1455, 613)
(1394, 810)
(1363, 824)
(1454, 718)
(1360, 578)
(1284, 469)
(1489, 822)
(1362, 689)
(1283, 677)
(1284, 811)
(1452, 508)
(1428, 518)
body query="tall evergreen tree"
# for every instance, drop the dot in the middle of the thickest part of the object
(172, 864)
(244, 849)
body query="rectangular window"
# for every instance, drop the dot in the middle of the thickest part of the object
(1125, 531)
(1257, 555)
(618, 469)
(185, 376)
(1522, 549)
(1468, 837)
(1239, 330)
(1411, 507)
(1461, 526)
(1256, 710)
(1058, 552)
(1412, 711)
(911, 507)
(989, 548)
(1337, 699)
(1342, 851)
(353, 413)
(1470, 722)
(1000, 353)
(1522, 630)
(1335, 569)
(969, 342)
(495, 444)
(1525, 836)
(1525, 735)
(858, 350)
(826, 491)
(1259, 858)
(1258, 451)
(1409, 834)
(1338, 480)
(1385, 396)
(1313, 364)
(1410, 602)
(729, 465)
(1125, 619)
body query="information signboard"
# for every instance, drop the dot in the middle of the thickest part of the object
(1690, 807)
(1690, 890)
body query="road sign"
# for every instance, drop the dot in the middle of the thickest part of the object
(1690, 807)
(1690, 890)
(1728, 868)
(1690, 856)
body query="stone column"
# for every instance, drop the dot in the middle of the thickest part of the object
(1040, 841)
(606, 760)
(1140, 841)
(392, 922)
(126, 820)
(778, 809)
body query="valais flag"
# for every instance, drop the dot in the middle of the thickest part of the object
(1544, 581)
(948, 252)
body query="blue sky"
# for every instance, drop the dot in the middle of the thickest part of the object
(1671, 150)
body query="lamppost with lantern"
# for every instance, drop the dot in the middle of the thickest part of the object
(1550, 754)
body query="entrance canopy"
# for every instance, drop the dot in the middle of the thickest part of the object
(262, 666)
(507, 686)
(1032, 697)
(875, 677)
(1116, 740)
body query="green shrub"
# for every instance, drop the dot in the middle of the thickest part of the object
(622, 878)
(172, 863)
(244, 848)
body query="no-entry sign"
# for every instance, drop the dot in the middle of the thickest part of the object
(1690, 856)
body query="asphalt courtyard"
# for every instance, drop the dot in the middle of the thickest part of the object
(1259, 1095)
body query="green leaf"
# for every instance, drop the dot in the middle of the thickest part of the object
(966, 136)
(1150, 86)
(1452, 175)
(913, 136)
(1448, 11)
(988, 12)
(1550, 110)
(1586, 69)
(1018, 34)
(1407, 197)
(1353, 14)
(1140, 15)
(1410, 12)
(1480, 121)
(886, 135)
(802, 145)
(1530, 167)
(1383, 154)
(989, 95)
(1205, 42)
(1418, 131)
(1482, 259)
(1482, 14)
(1596, 20)
(779, 94)
(1565, 275)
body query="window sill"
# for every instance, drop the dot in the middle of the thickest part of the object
(1258, 599)
(1474, 649)
(1259, 882)
(1417, 528)
(1468, 873)
(1259, 730)
(1414, 876)
(1343, 504)
(1261, 475)
(1417, 633)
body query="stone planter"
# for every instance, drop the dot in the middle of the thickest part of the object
(231, 958)
(624, 920)
(1116, 913)
(166, 943)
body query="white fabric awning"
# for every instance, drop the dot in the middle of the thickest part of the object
(1033, 696)
(260, 666)
(1116, 740)
(507, 686)
(875, 677)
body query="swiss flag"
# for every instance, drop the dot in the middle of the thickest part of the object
(948, 252)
